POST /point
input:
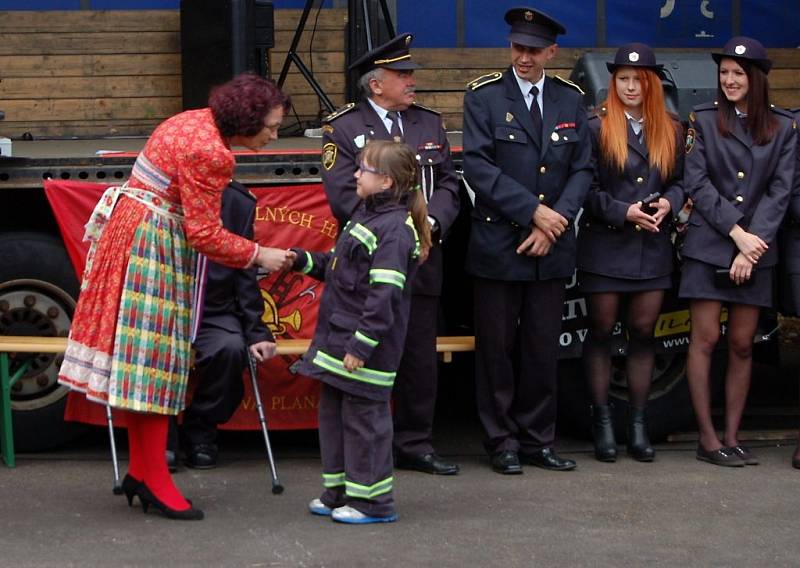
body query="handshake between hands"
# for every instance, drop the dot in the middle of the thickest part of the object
(275, 259)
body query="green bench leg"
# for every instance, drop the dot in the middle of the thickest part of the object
(7, 434)
(7, 381)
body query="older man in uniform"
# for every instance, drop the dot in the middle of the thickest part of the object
(388, 112)
(527, 157)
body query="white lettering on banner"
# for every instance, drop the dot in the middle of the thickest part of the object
(574, 309)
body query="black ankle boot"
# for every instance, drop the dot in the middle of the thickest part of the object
(605, 446)
(639, 446)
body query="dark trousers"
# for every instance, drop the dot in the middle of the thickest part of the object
(415, 385)
(221, 356)
(517, 325)
(355, 441)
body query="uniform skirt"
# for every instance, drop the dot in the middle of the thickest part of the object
(697, 283)
(591, 283)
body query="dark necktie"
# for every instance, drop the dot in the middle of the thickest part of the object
(394, 116)
(536, 113)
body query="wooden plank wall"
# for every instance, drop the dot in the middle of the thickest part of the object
(117, 73)
(113, 73)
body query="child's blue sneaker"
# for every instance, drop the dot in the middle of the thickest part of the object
(317, 507)
(353, 516)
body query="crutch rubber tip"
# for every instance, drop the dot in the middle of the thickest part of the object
(117, 490)
(277, 489)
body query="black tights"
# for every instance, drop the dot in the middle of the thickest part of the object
(642, 312)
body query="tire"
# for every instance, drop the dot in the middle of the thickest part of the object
(669, 408)
(38, 289)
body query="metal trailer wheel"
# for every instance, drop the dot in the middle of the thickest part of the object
(38, 288)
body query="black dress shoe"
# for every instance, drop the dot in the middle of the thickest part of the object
(426, 463)
(202, 456)
(546, 458)
(724, 456)
(506, 462)
(744, 453)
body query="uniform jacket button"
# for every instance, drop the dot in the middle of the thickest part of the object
(542, 169)
(640, 179)
(740, 175)
(638, 227)
(541, 197)
(510, 136)
(739, 199)
(488, 219)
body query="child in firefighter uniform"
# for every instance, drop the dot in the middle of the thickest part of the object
(361, 331)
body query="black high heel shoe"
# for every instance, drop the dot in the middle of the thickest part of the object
(129, 487)
(147, 498)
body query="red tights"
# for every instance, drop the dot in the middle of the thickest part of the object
(147, 442)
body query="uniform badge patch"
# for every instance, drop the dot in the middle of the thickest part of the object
(359, 141)
(329, 152)
(509, 117)
(429, 146)
(690, 136)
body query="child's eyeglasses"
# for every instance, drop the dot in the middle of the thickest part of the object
(364, 168)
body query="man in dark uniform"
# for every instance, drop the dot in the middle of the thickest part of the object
(231, 324)
(388, 112)
(527, 157)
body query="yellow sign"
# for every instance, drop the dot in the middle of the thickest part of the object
(673, 323)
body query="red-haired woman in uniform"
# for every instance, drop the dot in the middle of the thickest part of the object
(624, 249)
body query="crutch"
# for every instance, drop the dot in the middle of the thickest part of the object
(117, 485)
(277, 488)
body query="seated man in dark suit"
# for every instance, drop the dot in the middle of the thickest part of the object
(231, 324)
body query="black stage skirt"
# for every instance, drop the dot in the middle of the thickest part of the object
(697, 283)
(591, 283)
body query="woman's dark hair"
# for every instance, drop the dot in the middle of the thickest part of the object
(240, 105)
(761, 123)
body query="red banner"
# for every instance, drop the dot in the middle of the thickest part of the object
(296, 215)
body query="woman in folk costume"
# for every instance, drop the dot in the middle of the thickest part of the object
(129, 345)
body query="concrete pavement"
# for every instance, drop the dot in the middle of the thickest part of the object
(57, 510)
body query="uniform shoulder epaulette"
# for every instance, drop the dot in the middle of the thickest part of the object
(782, 111)
(339, 112)
(476, 84)
(569, 83)
(706, 106)
(423, 107)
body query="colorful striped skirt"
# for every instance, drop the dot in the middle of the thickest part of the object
(129, 345)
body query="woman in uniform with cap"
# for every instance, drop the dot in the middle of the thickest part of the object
(740, 154)
(624, 249)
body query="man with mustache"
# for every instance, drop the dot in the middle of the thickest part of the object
(388, 112)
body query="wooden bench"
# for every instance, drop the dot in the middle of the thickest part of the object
(447, 345)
